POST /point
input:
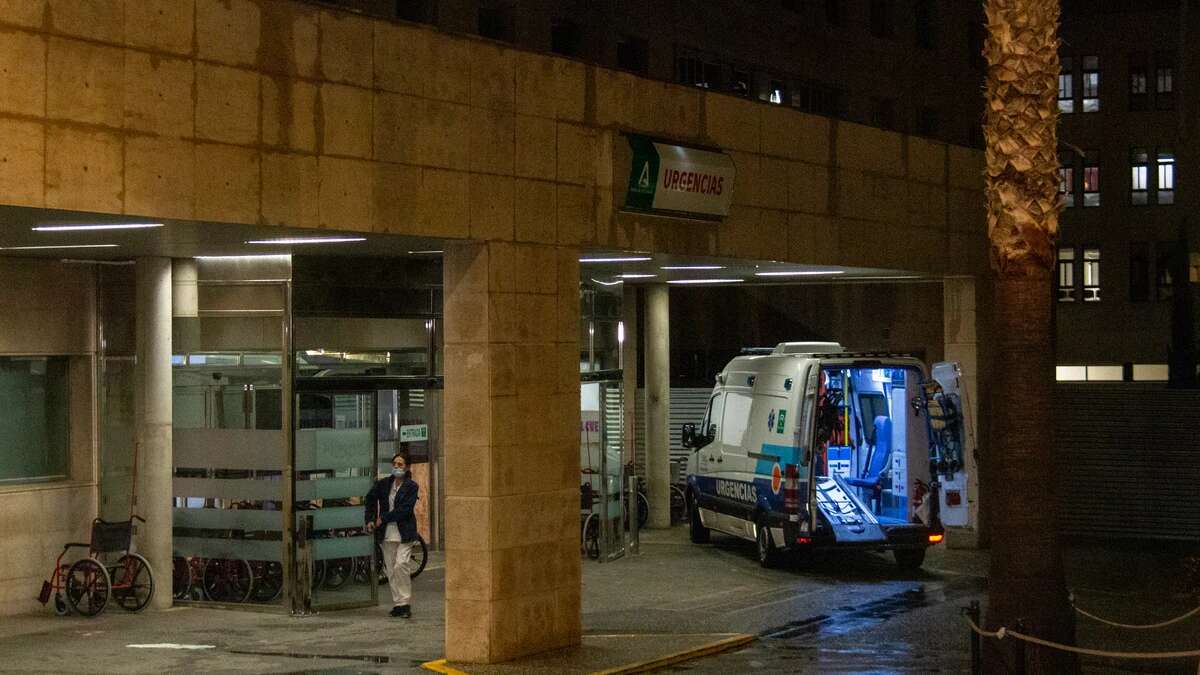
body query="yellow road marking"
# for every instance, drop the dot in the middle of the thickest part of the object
(440, 666)
(709, 649)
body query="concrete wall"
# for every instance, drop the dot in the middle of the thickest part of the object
(56, 303)
(282, 113)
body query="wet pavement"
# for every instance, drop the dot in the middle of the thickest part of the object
(834, 612)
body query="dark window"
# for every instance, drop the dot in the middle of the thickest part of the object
(739, 83)
(34, 420)
(818, 99)
(1164, 83)
(1139, 176)
(927, 122)
(881, 19)
(1139, 272)
(413, 10)
(1164, 270)
(566, 38)
(833, 12)
(632, 55)
(883, 113)
(925, 20)
(496, 22)
(1139, 86)
(697, 72)
(976, 34)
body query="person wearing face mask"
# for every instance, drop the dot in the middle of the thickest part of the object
(389, 506)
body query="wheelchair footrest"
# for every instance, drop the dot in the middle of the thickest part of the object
(44, 596)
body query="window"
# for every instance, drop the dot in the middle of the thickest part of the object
(1139, 84)
(1139, 190)
(1164, 82)
(818, 98)
(1164, 270)
(496, 22)
(632, 55)
(712, 418)
(34, 424)
(736, 418)
(927, 121)
(925, 20)
(775, 92)
(566, 38)
(881, 18)
(1066, 275)
(833, 12)
(697, 72)
(1166, 177)
(1066, 179)
(1091, 178)
(1091, 275)
(1091, 84)
(1139, 272)
(883, 113)
(739, 83)
(1066, 88)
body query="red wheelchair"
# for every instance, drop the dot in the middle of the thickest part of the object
(88, 583)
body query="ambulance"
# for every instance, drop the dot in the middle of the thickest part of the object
(807, 446)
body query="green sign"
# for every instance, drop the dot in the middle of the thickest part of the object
(414, 432)
(678, 179)
(782, 415)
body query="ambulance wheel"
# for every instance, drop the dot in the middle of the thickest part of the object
(767, 554)
(696, 529)
(909, 558)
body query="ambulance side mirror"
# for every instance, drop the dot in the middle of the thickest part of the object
(687, 436)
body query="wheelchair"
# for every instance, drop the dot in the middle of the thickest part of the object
(85, 586)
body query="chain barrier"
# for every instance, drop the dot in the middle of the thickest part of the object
(1132, 626)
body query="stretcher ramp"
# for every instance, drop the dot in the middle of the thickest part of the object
(850, 519)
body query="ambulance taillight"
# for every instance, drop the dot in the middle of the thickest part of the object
(791, 488)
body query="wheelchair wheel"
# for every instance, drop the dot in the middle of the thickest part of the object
(591, 536)
(181, 578)
(133, 582)
(228, 580)
(60, 605)
(338, 572)
(678, 505)
(268, 580)
(420, 556)
(88, 587)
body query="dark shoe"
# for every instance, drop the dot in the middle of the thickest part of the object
(404, 612)
(399, 610)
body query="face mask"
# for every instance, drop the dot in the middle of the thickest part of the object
(398, 473)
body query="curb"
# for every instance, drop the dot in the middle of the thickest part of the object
(709, 649)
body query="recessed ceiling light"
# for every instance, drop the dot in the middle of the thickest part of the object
(34, 248)
(704, 281)
(102, 226)
(616, 260)
(637, 276)
(269, 256)
(285, 241)
(692, 267)
(798, 273)
(430, 252)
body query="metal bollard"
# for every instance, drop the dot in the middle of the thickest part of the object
(1019, 648)
(972, 612)
(634, 534)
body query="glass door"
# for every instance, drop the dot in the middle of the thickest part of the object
(335, 462)
(602, 466)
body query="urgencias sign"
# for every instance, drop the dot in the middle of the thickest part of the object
(678, 180)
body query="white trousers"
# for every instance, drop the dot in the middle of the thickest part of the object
(399, 565)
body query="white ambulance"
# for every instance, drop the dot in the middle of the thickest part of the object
(808, 446)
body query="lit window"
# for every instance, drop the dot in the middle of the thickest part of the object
(1105, 373)
(1166, 177)
(1137, 81)
(1070, 373)
(776, 92)
(1091, 84)
(1139, 176)
(1164, 80)
(1066, 88)
(1091, 179)
(1150, 372)
(1066, 275)
(1091, 275)
(1066, 180)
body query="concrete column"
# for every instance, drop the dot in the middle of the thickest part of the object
(153, 420)
(961, 346)
(513, 574)
(658, 405)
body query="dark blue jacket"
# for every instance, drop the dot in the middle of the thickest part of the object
(377, 502)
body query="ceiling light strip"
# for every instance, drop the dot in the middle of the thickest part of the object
(56, 246)
(616, 260)
(289, 241)
(705, 281)
(103, 226)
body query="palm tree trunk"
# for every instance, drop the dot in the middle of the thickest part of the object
(1026, 585)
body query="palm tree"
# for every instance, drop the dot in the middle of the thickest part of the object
(1026, 583)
